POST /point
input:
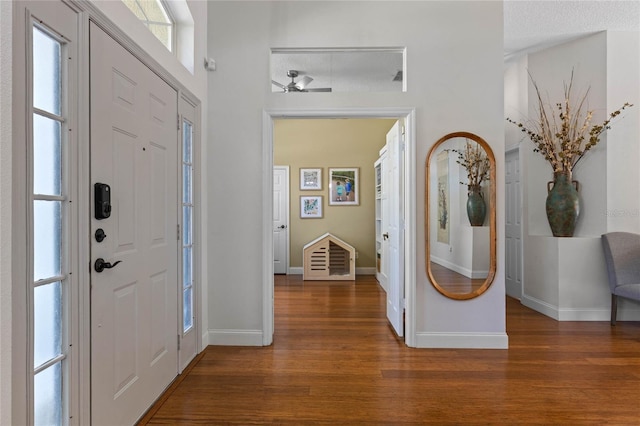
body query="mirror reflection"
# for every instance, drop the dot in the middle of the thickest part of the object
(461, 215)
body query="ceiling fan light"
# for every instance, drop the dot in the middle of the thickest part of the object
(303, 82)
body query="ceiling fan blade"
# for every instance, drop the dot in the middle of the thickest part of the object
(320, 89)
(303, 82)
(275, 83)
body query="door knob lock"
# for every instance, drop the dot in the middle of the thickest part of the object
(100, 235)
(100, 265)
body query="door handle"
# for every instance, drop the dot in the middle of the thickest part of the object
(282, 226)
(385, 235)
(100, 265)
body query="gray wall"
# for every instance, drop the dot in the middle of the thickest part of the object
(455, 82)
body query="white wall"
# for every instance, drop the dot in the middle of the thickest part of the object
(623, 140)
(454, 79)
(566, 278)
(12, 401)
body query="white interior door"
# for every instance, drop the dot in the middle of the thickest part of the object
(280, 219)
(395, 293)
(513, 225)
(384, 223)
(134, 307)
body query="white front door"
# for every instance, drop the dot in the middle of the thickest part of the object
(395, 293)
(280, 219)
(134, 323)
(513, 225)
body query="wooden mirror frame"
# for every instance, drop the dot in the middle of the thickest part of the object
(492, 217)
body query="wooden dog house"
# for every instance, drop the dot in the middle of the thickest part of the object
(329, 258)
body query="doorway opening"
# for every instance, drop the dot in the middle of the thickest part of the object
(407, 153)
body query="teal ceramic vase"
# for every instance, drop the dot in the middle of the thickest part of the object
(476, 207)
(563, 204)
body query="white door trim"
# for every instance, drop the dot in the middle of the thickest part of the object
(268, 116)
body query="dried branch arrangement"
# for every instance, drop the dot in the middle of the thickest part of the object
(563, 140)
(475, 161)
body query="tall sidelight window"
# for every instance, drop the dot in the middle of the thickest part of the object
(187, 224)
(155, 15)
(49, 228)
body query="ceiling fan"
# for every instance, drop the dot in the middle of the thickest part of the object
(299, 86)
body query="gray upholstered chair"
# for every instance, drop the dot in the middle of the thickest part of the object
(622, 254)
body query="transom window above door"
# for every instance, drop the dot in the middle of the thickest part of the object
(360, 69)
(155, 15)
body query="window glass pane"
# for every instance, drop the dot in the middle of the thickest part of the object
(46, 156)
(47, 230)
(186, 267)
(162, 33)
(186, 184)
(187, 230)
(187, 131)
(154, 10)
(47, 312)
(135, 8)
(47, 396)
(187, 310)
(46, 72)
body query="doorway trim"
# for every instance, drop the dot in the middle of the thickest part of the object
(407, 114)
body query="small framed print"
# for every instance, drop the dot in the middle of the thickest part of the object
(344, 187)
(311, 207)
(310, 179)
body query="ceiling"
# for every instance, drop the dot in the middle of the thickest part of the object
(529, 25)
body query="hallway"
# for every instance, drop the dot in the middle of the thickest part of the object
(335, 360)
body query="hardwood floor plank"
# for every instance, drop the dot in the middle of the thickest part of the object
(335, 361)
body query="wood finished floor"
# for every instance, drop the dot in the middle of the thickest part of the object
(335, 361)
(454, 282)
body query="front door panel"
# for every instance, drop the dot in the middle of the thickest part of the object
(134, 322)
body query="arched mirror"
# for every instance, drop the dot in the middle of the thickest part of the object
(460, 210)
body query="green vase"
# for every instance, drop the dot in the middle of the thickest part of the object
(563, 204)
(476, 207)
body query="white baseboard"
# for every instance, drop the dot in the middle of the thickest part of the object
(298, 270)
(462, 340)
(579, 314)
(234, 338)
(540, 306)
(459, 269)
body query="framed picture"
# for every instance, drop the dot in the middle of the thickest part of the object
(311, 207)
(442, 165)
(344, 187)
(310, 179)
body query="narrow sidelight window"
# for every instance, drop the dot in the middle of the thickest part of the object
(187, 223)
(48, 227)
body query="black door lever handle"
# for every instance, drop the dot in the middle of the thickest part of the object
(100, 265)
